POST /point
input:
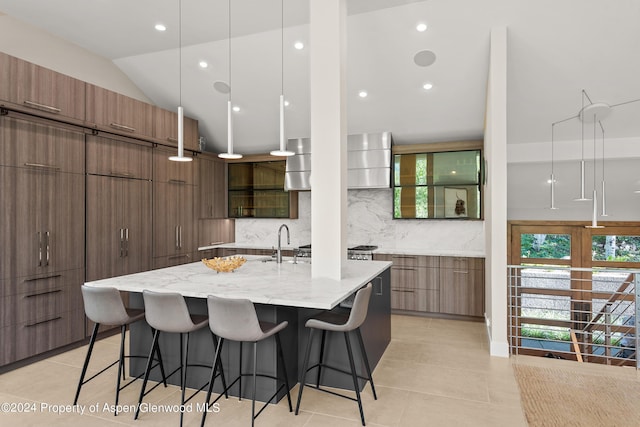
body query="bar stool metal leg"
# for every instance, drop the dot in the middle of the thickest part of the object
(92, 341)
(255, 383)
(366, 362)
(154, 344)
(123, 329)
(284, 369)
(324, 336)
(305, 364)
(216, 361)
(354, 375)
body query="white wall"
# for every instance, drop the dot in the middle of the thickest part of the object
(39, 47)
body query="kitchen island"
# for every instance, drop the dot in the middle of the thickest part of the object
(280, 292)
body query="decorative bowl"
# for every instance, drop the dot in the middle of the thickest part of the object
(225, 265)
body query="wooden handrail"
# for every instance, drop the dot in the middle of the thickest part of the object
(630, 278)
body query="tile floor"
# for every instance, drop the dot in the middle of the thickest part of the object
(434, 373)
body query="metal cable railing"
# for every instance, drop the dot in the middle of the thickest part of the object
(586, 315)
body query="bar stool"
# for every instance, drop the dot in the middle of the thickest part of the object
(168, 312)
(104, 306)
(335, 322)
(236, 320)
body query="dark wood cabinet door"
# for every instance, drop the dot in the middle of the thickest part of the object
(137, 223)
(461, 287)
(166, 129)
(211, 188)
(165, 170)
(173, 225)
(50, 92)
(117, 156)
(118, 113)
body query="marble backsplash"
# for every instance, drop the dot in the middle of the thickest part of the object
(369, 221)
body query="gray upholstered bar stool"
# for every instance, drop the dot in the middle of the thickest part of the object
(168, 312)
(104, 306)
(335, 322)
(236, 320)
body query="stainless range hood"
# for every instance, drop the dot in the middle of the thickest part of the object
(368, 162)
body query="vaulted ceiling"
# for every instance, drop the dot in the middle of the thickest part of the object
(556, 49)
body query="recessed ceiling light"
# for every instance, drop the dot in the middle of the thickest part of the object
(453, 172)
(160, 27)
(421, 27)
(298, 45)
(427, 86)
(363, 94)
(203, 64)
(286, 103)
(236, 108)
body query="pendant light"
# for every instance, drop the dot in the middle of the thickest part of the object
(582, 197)
(604, 197)
(229, 154)
(180, 157)
(594, 216)
(553, 178)
(283, 141)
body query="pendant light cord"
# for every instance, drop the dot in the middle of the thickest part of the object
(282, 46)
(229, 50)
(180, 52)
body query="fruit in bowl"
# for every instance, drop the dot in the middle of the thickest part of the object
(225, 265)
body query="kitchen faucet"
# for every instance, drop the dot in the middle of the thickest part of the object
(279, 253)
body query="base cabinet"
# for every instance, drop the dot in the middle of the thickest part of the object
(432, 284)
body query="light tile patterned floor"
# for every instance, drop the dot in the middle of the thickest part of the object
(434, 373)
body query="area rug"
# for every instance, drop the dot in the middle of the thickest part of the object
(554, 397)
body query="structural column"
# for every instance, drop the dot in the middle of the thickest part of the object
(328, 137)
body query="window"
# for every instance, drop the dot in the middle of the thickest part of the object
(437, 185)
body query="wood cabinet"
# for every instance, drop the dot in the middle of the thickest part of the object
(118, 156)
(42, 236)
(34, 88)
(165, 129)
(174, 218)
(117, 113)
(462, 286)
(42, 205)
(211, 187)
(432, 284)
(119, 220)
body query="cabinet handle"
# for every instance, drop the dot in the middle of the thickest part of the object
(43, 278)
(177, 238)
(121, 174)
(404, 268)
(48, 258)
(42, 106)
(43, 293)
(42, 321)
(122, 127)
(177, 181)
(42, 166)
(410, 291)
(179, 256)
(378, 280)
(121, 242)
(180, 238)
(460, 272)
(126, 239)
(39, 236)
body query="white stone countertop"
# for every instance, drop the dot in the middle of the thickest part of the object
(285, 284)
(429, 252)
(380, 250)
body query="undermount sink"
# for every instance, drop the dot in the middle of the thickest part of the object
(288, 260)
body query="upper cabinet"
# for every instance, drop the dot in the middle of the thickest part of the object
(113, 112)
(34, 88)
(256, 189)
(438, 184)
(212, 187)
(166, 129)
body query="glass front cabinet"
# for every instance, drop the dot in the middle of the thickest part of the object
(256, 190)
(438, 185)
